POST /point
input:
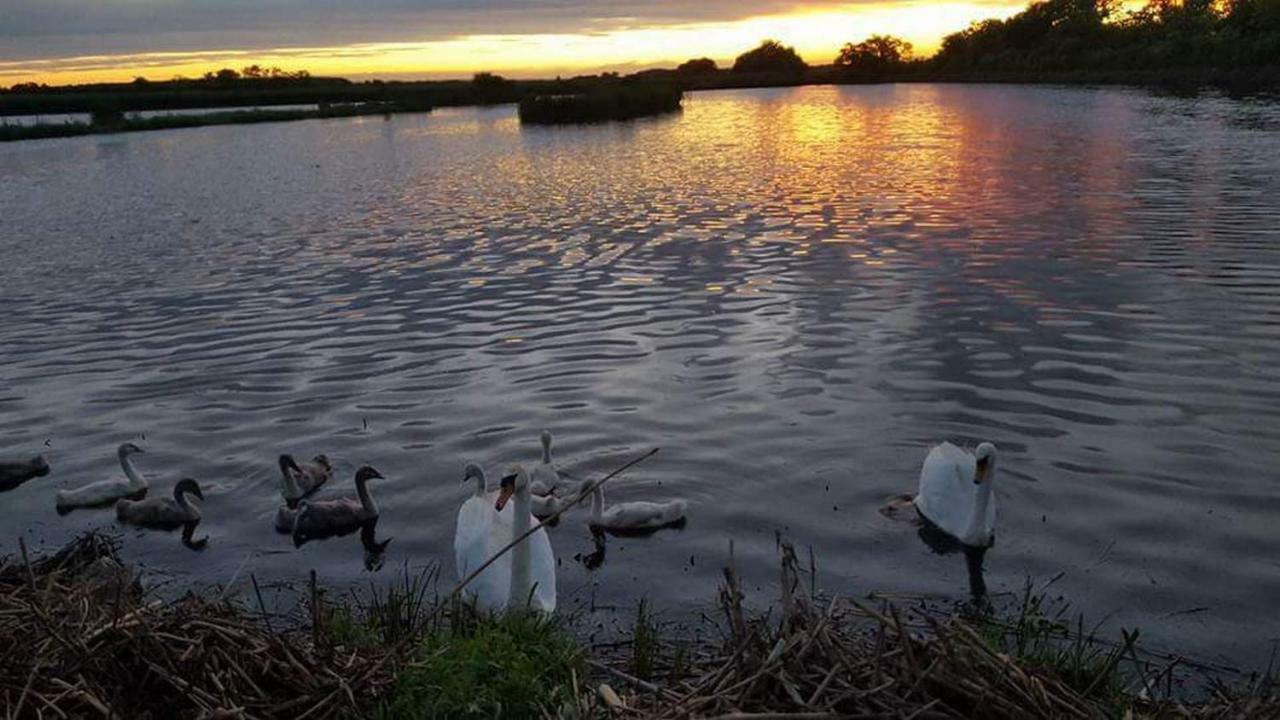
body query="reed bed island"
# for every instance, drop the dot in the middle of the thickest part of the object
(603, 105)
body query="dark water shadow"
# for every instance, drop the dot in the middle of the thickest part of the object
(14, 474)
(943, 543)
(596, 557)
(374, 550)
(900, 508)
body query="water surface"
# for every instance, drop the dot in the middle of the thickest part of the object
(792, 292)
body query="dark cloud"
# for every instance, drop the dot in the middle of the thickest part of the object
(33, 29)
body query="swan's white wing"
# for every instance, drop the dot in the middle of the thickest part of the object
(481, 532)
(470, 536)
(946, 489)
(491, 588)
(98, 493)
(544, 479)
(641, 514)
(991, 514)
(542, 570)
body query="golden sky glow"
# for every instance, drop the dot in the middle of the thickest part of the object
(816, 34)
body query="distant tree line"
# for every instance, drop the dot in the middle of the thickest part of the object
(224, 77)
(1047, 39)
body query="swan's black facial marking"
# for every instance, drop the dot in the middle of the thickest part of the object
(132, 449)
(506, 488)
(981, 470)
(368, 473)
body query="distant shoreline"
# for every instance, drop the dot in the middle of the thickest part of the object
(185, 95)
(341, 98)
(15, 133)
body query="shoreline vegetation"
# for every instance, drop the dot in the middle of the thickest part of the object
(1176, 45)
(95, 643)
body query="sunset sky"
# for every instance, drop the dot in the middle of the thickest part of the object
(71, 41)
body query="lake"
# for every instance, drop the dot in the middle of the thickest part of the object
(792, 292)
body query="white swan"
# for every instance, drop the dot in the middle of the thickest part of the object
(545, 478)
(107, 491)
(319, 518)
(956, 493)
(526, 574)
(162, 513)
(634, 516)
(303, 480)
(479, 528)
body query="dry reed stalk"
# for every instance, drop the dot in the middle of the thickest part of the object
(843, 659)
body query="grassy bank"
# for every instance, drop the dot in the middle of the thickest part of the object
(115, 122)
(95, 644)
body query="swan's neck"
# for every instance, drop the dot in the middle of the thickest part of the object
(546, 449)
(135, 479)
(520, 580)
(977, 534)
(366, 498)
(481, 482)
(597, 504)
(187, 507)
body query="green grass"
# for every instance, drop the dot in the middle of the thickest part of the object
(1048, 638)
(644, 642)
(339, 627)
(513, 665)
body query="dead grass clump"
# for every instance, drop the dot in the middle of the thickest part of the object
(841, 658)
(83, 641)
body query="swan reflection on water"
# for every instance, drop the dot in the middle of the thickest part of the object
(596, 557)
(188, 537)
(374, 550)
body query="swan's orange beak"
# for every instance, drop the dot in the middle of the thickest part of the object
(506, 489)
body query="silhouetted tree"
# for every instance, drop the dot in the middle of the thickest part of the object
(771, 56)
(698, 66)
(223, 76)
(1095, 34)
(877, 55)
(489, 80)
